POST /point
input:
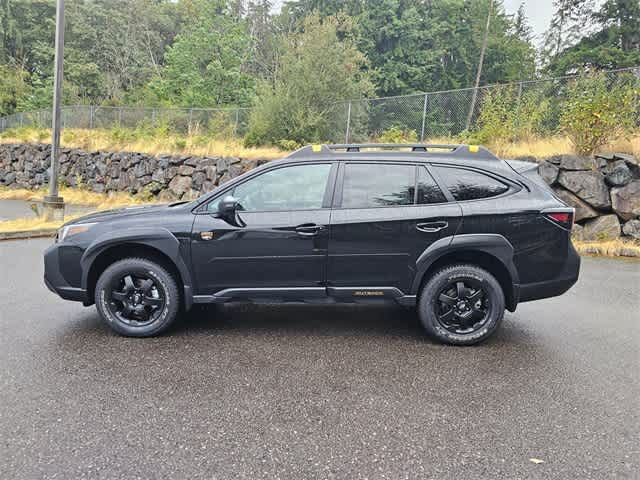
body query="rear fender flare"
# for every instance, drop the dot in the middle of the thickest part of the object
(493, 244)
(159, 239)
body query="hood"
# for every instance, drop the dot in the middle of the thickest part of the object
(120, 213)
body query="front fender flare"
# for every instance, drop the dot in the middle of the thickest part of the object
(159, 239)
(493, 244)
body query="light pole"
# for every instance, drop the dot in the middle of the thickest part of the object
(54, 204)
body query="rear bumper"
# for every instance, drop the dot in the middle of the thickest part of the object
(556, 286)
(56, 281)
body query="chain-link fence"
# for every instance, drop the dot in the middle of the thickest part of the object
(419, 117)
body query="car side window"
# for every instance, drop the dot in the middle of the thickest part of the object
(297, 187)
(470, 185)
(368, 185)
(428, 190)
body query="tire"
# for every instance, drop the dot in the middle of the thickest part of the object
(461, 316)
(137, 297)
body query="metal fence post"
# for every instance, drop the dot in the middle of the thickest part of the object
(347, 134)
(190, 126)
(91, 114)
(518, 104)
(119, 116)
(235, 126)
(424, 116)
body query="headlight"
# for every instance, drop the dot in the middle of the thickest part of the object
(71, 230)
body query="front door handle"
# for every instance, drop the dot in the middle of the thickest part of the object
(431, 227)
(308, 229)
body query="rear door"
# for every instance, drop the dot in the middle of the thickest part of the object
(385, 215)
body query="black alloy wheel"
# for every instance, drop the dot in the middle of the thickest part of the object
(136, 300)
(462, 307)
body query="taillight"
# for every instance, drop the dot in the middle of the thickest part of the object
(563, 217)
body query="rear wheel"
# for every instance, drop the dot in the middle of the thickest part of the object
(461, 305)
(137, 297)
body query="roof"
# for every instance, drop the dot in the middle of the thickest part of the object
(395, 150)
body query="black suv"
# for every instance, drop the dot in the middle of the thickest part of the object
(449, 229)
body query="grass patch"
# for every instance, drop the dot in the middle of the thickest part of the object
(30, 224)
(612, 248)
(143, 141)
(76, 196)
(161, 141)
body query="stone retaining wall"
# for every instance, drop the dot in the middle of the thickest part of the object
(605, 189)
(170, 177)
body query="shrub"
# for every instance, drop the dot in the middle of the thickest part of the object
(397, 134)
(509, 115)
(597, 112)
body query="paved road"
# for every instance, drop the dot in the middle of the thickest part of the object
(311, 392)
(11, 209)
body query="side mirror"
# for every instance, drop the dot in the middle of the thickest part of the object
(228, 211)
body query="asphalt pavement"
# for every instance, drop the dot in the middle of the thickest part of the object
(308, 392)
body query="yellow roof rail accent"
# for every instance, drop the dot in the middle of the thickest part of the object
(316, 148)
(474, 148)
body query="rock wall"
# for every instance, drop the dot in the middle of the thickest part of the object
(605, 189)
(169, 177)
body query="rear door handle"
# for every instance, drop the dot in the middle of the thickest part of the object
(431, 227)
(308, 229)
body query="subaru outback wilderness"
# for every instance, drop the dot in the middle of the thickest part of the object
(449, 229)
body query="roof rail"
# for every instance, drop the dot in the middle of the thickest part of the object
(457, 150)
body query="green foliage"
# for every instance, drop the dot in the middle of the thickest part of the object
(613, 41)
(13, 88)
(315, 71)
(398, 135)
(204, 66)
(508, 114)
(597, 112)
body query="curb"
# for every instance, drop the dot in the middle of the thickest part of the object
(27, 234)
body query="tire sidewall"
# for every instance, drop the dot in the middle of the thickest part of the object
(163, 280)
(428, 303)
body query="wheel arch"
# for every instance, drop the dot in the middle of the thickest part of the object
(491, 252)
(158, 245)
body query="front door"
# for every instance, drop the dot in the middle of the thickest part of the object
(385, 216)
(284, 243)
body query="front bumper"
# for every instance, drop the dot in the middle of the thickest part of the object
(62, 272)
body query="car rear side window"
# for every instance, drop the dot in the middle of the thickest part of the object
(428, 190)
(369, 185)
(470, 185)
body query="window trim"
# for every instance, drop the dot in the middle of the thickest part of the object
(511, 186)
(339, 188)
(326, 199)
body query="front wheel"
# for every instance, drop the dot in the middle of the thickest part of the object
(461, 305)
(137, 297)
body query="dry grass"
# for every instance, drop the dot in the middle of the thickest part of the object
(549, 146)
(76, 196)
(612, 248)
(153, 144)
(546, 147)
(29, 224)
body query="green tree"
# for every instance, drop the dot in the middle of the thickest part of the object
(13, 88)
(205, 66)
(316, 69)
(615, 43)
